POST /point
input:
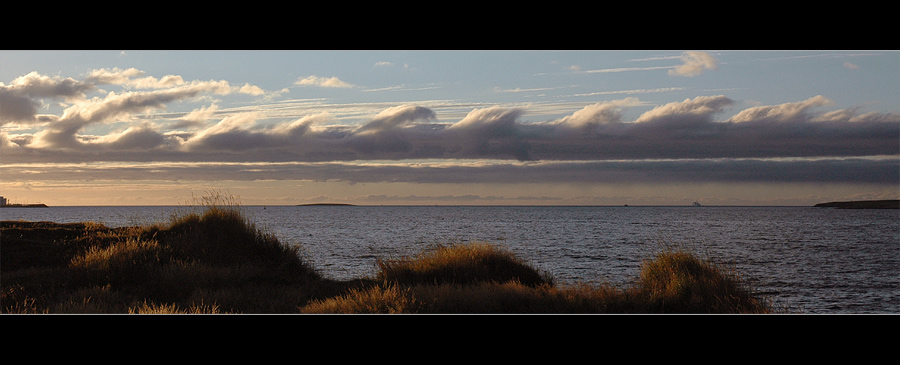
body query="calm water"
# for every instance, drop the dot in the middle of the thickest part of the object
(814, 260)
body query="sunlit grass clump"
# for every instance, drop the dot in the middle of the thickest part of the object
(461, 264)
(680, 282)
(217, 262)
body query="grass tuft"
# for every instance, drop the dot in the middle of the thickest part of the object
(380, 299)
(461, 264)
(680, 282)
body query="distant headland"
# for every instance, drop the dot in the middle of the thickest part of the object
(4, 203)
(864, 204)
(38, 205)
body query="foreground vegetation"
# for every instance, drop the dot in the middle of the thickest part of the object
(216, 262)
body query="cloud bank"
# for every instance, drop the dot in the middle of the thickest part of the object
(687, 140)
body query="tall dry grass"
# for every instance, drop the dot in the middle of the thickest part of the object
(461, 264)
(681, 282)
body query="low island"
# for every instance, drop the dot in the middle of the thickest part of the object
(865, 204)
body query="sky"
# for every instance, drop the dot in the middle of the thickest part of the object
(449, 127)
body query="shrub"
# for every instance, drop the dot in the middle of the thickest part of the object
(461, 264)
(223, 236)
(679, 282)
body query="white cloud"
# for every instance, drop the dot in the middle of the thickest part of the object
(702, 108)
(21, 99)
(128, 78)
(251, 90)
(196, 117)
(783, 112)
(25, 94)
(323, 82)
(694, 64)
(494, 118)
(395, 117)
(139, 138)
(599, 113)
(627, 69)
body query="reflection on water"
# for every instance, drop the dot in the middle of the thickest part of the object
(812, 259)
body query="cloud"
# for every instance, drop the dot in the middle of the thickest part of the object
(694, 64)
(881, 170)
(251, 90)
(396, 117)
(597, 114)
(240, 132)
(35, 85)
(781, 113)
(493, 121)
(686, 129)
(138, 138)
(332, 82)
(175, 129)
(62, 133)
(196, 117)
(128, 78)
(622, 69)
(688, 140)
(16, 107)
(20, 98)
(689, 111)
(489, 132)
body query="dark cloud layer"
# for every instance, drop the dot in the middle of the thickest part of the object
(844, 170)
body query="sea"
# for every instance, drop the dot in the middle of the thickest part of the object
(805, 260)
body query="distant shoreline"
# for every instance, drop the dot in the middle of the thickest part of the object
(864, 204)
(326, 204)
(39, 205)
